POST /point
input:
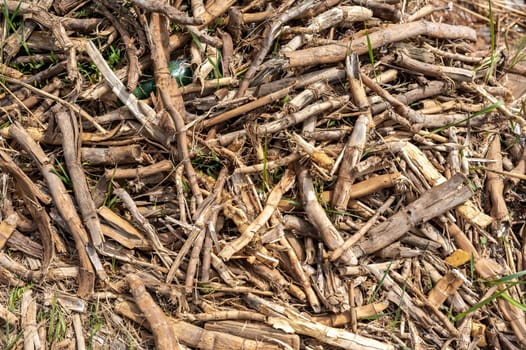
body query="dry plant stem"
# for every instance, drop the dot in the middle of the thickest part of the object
(399, 107)
(495, 183)
(354, 147)
(447, 286)
(400, 297)
(79, 334)
(180, 192)
(329, 19)
(435, 202)
(208, 244)
(489, 270)
(317, 155)
(432, 88)
(326, 75)
(160, 57)
(502, 108)
(65, 206)
(286, 318)
(20, 270)
(142, 112)
(71, 145)
(209, 85)
(168, 10)
(309, 95)
(159, 324)
(512, 175)
(199, 228)
(433, 70)
(300, 274)
(286, 182)
(265, 100)
(28, 309)
(371, 185)
(317, 216)
(357, 312)
(42, 16)
(172, 101)
(214, 9)
(271, 165)
(271, 32)
(131, 51)
(335, 255)
(141, 172)
(394, 33)
(381, 10)
(182, 148)
(130, 154)
(226, 315)
(128, 202)
(301, 116)
(214, 198)
(520, 168)
(8, 317)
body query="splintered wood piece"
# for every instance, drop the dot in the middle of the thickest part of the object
(7, 228)
(255, 331)
(445, 287)
(125, 238)
(468, 210)
(435, 202)
(317, 155)
(291, 321)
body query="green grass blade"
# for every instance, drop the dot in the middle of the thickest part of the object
(513, 301)
(488, 109)
(509, 278)
(380, 284)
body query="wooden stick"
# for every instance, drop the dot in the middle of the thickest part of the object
(393, 33)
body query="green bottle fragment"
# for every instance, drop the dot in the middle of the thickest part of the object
(180, 70)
